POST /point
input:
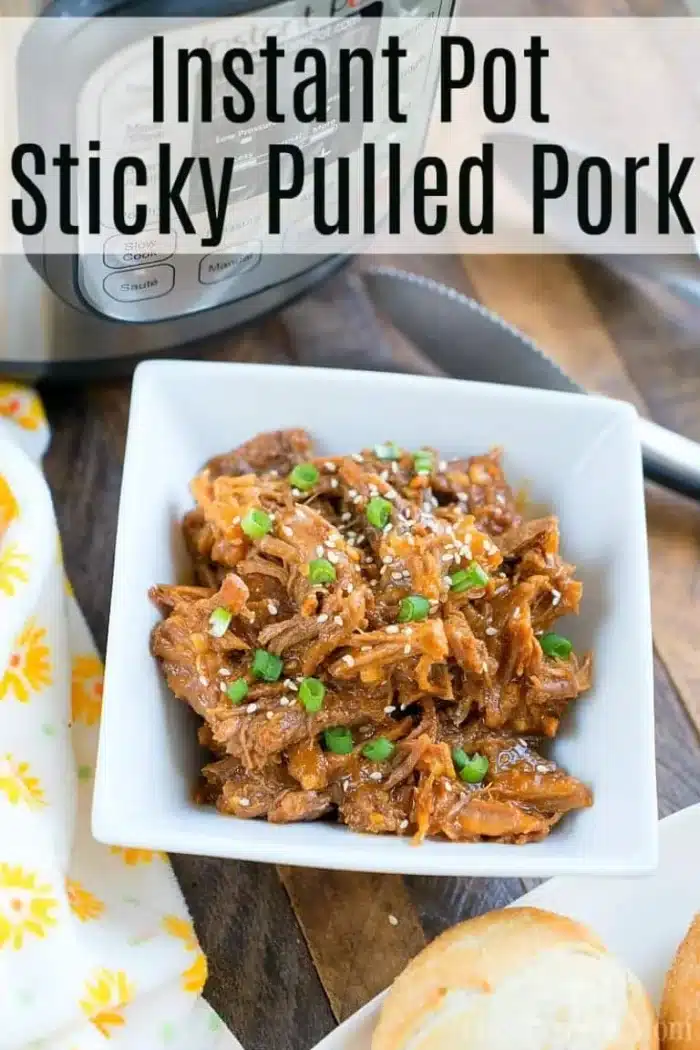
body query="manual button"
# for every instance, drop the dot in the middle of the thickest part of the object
(229, 262)
(134, 285)
(142, 249)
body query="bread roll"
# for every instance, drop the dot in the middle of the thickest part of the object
(680, 1005)
(517, 979)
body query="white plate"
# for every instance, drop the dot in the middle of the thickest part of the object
(641, 920)
(580, 458)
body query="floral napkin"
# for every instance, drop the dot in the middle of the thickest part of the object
(97, 949)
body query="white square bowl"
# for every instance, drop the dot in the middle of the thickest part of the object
(579, 456)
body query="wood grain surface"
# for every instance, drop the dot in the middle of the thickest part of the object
(292, 951)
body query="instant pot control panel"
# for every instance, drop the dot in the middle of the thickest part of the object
(142, 277)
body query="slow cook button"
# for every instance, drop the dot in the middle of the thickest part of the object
(122, 250)
(220, 266)
(134, 285)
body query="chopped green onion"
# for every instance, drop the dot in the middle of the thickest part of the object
(219, 621)
(378, 511)
(266, 665)
(388, 451)
(321, 571)
(460, 758)
(556, 645)
(475, 769)
(304, 476)
(423, 461)
(311, 694)
(379, 750)
(338, 740)
(469, 578)
(415, 607)
(237, 691)
(256, 523)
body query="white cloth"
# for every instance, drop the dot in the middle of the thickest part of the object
(97, 949)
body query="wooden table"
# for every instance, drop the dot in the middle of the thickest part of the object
(293, 951)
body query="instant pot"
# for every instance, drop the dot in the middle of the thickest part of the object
(75, 313)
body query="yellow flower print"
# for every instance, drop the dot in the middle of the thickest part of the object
(29, 666)
(106, 995)
(9, 508)
(83, 903)
(21, 405)
(86, 692)
(132, 857)
(18, 784)
(12, 573)
(25, 906)
(194, 978)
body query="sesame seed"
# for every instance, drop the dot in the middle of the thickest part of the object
(376, 775)
(320, 550)
(462, 497)
(403, 825)
(448, 786)
(357, 457)
(203, 680)
(333, 557)
(406, 650)
(448, 557)
(388, 528)
(349, 588)
(484, 668)
(556, 597)
(541, 769)
(334, 483)
(294, 687)
(516, 614)
(284, 701)
(287, 531)
(296, 492)
(322, 617)
(393, 920)
(390, 709)
(387, 559)
(384, 475)
(360, 540)
(346, 785)
(394, 467)
(345, 516)
(491, 631)
(272, 609)
(392, 629)
(330, 467)
(251, 709)
(330, 542)
(237, 520)
(352, 493)
(357, 499)
(224, 672)
(397, 575)
(222, 686)
(442, 465)
(500, 590)
(274, 473)
(245, 802)
(269, 715)
(338, 620)
(365, 648)
(349, 660)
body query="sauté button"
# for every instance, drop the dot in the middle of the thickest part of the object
(132, 286)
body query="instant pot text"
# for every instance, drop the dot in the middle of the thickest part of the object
(331, 133)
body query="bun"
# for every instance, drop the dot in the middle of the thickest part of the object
(680, 1005)
(516, 979)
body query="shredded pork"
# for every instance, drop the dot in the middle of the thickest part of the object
(443, 687)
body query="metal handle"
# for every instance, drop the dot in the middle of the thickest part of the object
(670, 459)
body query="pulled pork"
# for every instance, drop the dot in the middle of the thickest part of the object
(370, 637)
